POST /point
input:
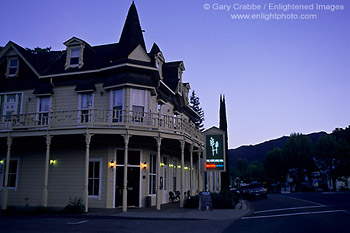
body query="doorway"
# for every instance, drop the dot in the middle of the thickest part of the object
(133, 183)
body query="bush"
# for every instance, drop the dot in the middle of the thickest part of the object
(192, 202)
(222, 200)
(74, 206)
(43, 210)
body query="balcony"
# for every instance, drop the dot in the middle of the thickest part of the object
(99, 118)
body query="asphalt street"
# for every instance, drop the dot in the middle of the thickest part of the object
(299, 212)
(285, 213)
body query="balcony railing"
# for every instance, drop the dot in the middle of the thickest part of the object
(99, 118)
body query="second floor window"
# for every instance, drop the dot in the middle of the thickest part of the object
(117, 105)
(43, 110)
(10, 104)
(86, 102)
(138, 100)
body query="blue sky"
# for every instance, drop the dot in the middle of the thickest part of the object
(278, 77)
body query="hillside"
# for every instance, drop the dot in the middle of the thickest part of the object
(257, 152)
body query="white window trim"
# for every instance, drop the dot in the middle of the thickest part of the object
(8, 67)
(80, 63)
(100, 179)
(12, 93)
(80, 109)
(153, 174)
(3, 175)
(38, 107)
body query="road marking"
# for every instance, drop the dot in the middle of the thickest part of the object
(76, 223)
(315, 203)
(292, 208)
(293, 214)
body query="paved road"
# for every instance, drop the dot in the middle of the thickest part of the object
(294, 213)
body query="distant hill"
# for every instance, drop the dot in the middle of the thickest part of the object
(257, 152)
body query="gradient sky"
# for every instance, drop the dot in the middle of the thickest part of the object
(278, 77)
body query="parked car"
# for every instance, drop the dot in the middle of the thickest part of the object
(254, 190)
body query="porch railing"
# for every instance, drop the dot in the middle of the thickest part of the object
(99, 118)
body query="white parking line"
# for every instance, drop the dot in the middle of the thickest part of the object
(292, 208)
(76, 223)
(293, 214)
(315, 203)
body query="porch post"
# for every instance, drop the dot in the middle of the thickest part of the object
(199, 170)
(87, 158)
(125, 181)
(47, 162)
(158, 196)
(182, 173)
(8, 157)
(191, 169)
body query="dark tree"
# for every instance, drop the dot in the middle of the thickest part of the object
(275, 165)
(225, 176)
(331, 154)
(194, 104)
(38, 50)
(297, 152)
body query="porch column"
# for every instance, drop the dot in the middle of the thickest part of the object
(191, 170)
(8, 157)
(125, 181)
(199, 171)
(47, 162)
(182, 173)
(87, 158)
(158, 197)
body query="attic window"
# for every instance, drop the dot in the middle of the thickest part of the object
(12, 67)
(74, 57)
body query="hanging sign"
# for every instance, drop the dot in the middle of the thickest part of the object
(215, 150)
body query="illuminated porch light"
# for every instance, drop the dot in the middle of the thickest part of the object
(171, 165)
(186, 168)
(144, 165)
(162, 164)
(179, 166)
(111, 164)
(52, 161)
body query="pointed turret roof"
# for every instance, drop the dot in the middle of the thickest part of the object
(132, 33)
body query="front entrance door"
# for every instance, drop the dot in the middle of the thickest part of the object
(133, 179)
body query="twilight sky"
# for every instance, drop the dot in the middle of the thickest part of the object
(278, 77)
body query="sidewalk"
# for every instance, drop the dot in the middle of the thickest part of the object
(172, 212)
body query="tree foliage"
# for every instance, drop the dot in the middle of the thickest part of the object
(195, 105)
(275, 165)
(38, 50)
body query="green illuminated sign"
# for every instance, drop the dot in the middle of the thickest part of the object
(215, 152)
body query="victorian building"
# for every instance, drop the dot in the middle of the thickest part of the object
(109, 124)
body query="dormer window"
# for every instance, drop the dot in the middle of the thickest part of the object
(74, 57)
(75, 51)
(12, 67)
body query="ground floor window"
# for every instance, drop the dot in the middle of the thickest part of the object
(153, 175)
(94, 178)
(13, 174)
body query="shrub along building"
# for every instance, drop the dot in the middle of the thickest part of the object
(109, 124)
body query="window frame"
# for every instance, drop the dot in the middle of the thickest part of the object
(40, 113)
(82, 117)
(78, 57)
(94, 160)
(3, 175)
(152, 175)
(9, 67)
(119, 113)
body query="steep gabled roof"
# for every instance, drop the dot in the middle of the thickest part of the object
(132, 33)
